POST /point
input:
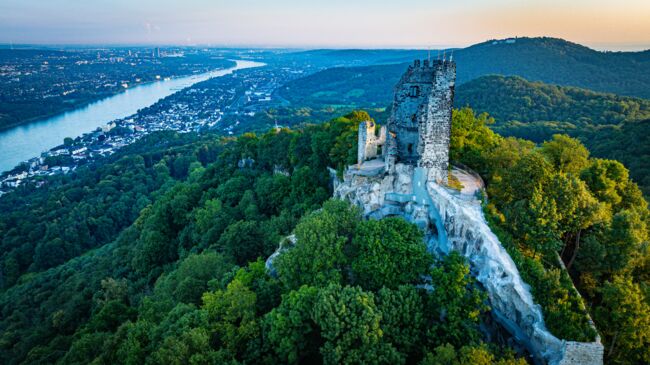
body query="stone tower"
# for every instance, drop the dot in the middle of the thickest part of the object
(419, 127)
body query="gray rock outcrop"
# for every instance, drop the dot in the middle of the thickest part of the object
(453, 222)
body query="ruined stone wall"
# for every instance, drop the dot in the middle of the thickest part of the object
(409, 110)
(420, 123)
(581, 353)
(435, 128)
(369, 142)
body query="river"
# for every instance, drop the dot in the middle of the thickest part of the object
(24, 142)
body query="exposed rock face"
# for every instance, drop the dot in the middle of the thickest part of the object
(285, 244)
(368, 192)
(452, 222)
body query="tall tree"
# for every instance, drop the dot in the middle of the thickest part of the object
(327, 232)
(455, 304)
(624, 320)
(388, 253)
(350, 325)
(567, 154)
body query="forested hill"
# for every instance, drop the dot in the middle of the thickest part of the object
(370, 86)
(176, 274)
(557, 61)
(611, 126)
(155, 256)
(548, 60)
(515, 98)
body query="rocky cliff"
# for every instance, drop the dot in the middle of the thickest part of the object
(454, 221)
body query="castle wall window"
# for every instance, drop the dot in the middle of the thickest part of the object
(414, 92)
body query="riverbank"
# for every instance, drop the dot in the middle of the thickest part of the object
(69, 108)
(66, 107)
(100, 139)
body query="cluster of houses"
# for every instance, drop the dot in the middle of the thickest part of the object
(194, 109)
(68, 156)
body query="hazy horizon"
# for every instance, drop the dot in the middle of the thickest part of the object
(596, 46)
(411, 24)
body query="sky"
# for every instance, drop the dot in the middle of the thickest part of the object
(600, 24)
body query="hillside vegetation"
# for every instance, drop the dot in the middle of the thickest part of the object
(516, 99)
(178, 276)
(554, 202)
(184, 282)
(611, 126)
(557, 61)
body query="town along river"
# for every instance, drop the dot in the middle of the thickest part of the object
(24, 142)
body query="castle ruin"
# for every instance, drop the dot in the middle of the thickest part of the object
(402, 171)
(419, 126)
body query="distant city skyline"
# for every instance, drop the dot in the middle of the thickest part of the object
(600, 24)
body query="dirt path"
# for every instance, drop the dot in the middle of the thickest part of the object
(471, 183)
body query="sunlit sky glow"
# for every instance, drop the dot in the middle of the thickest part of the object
(601, 24)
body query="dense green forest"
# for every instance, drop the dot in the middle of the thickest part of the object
(357, 86)
(183, 283)
(611, 126)
(155, 255)
(515, 99)
(557, 61)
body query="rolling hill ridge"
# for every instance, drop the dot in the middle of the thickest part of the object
(549, 60)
